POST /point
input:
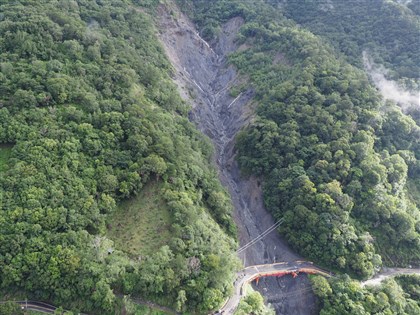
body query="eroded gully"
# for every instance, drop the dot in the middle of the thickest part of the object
(204, 79)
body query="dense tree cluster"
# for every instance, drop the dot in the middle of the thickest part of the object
(335, 159)
(253, 303)
(87, 102)
(399, 296)
(387, 29)
(11, 308)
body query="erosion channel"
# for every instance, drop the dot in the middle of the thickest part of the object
(204, 79)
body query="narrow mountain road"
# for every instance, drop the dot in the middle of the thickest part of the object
(244, 277)
(252, 273)
(388, 273)
(296, 268)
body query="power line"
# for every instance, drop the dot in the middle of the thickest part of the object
(262, 235)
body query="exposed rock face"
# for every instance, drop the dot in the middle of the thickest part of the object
(204, 79)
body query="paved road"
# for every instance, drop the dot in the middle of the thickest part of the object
(246, 276)
(251, 273)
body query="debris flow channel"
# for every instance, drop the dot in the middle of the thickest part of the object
(204, 79)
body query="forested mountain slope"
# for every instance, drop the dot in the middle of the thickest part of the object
(387, 29)
(381, 36)
(335, 159)
(91, 122)
(91, 114)
(399, 295)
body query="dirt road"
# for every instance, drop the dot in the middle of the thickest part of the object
(388, 273)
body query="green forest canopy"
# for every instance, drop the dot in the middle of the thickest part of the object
(335, 159)
(87, 103)
(389, 30)
(394, 296)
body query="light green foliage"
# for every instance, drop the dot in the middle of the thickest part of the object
(346, 296)
(253, 303)
(335, 167)
(87, 99)
(387, 30)
(321, 286)
(142, 223)
(10, 308)
(60, 311)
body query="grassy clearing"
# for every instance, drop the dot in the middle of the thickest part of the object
(5, 152)
(141, 225)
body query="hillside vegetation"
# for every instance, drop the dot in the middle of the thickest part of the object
(107, 189)
(334, 157)
(141, 224)
(87, 102)
(399, 295)
(387, 29)
(5, 151)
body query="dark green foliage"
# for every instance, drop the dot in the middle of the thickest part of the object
(86, 96)
(210, 14)
(388, 30)
(252, 303)
(345, 296)
(334, 166)
(411, 286)
(10, 308)
(5, 152)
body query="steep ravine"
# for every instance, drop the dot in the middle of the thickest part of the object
(204, 79)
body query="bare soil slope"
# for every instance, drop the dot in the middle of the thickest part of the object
(204, 79)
